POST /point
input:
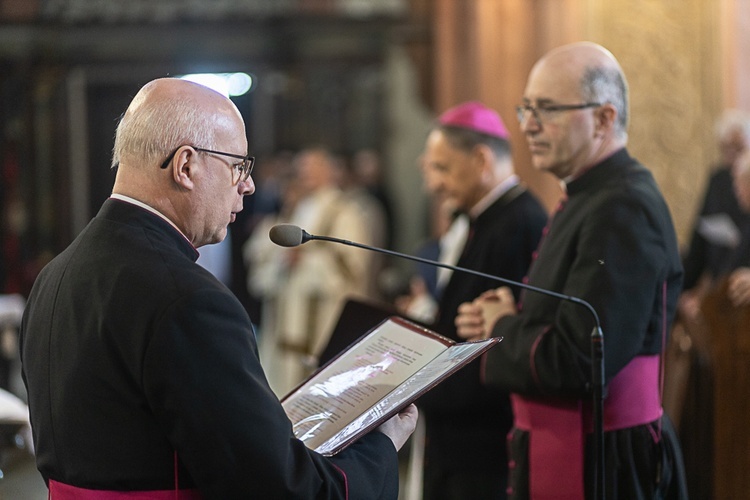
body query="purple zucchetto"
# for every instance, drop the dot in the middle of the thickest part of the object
(475, 116)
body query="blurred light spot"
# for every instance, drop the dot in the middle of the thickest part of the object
(228, 84)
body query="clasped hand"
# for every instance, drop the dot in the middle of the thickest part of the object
(739, 287)
(476, 319)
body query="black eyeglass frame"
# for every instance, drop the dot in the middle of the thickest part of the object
(245, 168)
(553, 108)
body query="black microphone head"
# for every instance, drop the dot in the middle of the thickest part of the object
(287, 235)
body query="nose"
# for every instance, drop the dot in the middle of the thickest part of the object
(529, 122)
(246, 187)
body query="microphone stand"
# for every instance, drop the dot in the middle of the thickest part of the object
(597, 347)
(597, 394)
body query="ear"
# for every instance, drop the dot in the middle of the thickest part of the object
(184, 167)
(483, 156)
(605, 118)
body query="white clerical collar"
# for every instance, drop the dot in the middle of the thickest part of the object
(493, 196)
(151, 209)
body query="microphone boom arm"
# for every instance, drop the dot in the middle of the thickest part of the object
(570, 298)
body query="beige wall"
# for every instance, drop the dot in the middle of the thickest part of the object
(735, 48)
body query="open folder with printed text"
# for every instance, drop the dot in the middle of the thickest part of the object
(377, 376)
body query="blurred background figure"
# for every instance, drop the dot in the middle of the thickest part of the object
(273, 178)
(371, 202)
(367, 172)
(716, 232)
(217, 258)
(448, 230)
(312, 281)
(468, 167)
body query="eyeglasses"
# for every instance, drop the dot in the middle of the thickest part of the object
(543, 112)
(242, 169)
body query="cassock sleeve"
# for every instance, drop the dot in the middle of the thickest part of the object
(206, 387)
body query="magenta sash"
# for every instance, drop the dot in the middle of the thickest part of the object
(62, 491)
(557, 428)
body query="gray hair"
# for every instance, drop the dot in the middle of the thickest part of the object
(466, 140)
(151, 129)
(607, 85)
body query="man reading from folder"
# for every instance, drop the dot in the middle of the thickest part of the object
(142, 368)
(613, 245)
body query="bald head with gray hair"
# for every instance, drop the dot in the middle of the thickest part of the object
(155, 124)
(170, 124)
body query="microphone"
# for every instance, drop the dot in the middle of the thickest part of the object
(289, 235)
